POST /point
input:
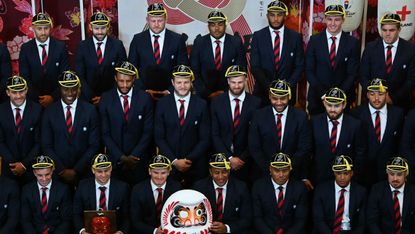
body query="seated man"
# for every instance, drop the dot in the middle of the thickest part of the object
(220, 188)
(149, 196)
(102, 193)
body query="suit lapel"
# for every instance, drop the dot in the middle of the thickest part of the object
(324, 47)
(229, 197)
(289, 127)
(166, 46)
(228, 110)
(286, 45)
(79, 109)
(331, 199)
(380, 56)
(52, 197)
(35, 52)
(117, 104)
(191, 109)
(25, 119)
(343, 132)
(62, 117)
(51, 53)
(92, 50)
(342, 48)
(389, 122)
(111, 192)
(108, 49)
(10, 117)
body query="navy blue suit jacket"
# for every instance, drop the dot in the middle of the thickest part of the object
(202, 61)
(58, 214)
(118, 200)
(380, 212)
(237, 213)
(262, 59)
(142, 56)
(25, 146)
(143, 205)
(74, 151)
(378, 154)
(98, 78)
(402, 78)
(5, 70)
(43, 81)
(9, 205)
(322, 76)
(296, 141)
(267, 219)
(350, 143)
(407, 148)
(324, 208)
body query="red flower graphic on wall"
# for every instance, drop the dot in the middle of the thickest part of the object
(104, 3)
(26, 26)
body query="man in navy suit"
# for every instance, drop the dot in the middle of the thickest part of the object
(228, 196)
(332, 59)
(182, 130)
(231, 115)
(280, 203)
(336, 133)
(280, 127)
(156, 51)
(96, 58)
(407, 142)
(339, 205)
(19, 131)
(127, 125)
(10, 205)
(102, 193)
(70, 131)
(5, 70)
(383, 123)
(41, 61)
(276, 52)
(149, 196)
(390, 58)
(46, 205)
(391, 204)
(212, 54)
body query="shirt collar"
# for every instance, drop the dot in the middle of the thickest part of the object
(154, 187)
(281, 30)
(21, 107)
(395, 44)
(185, 98)
(401, 189)
(107, 185)
(217, 186)
(338, 35)
(338, 188)
(47, 186)
(276, 186)
(129, 92)
(161, 34)
(383, 110)
(38, 43)
(73, 105)
(284, 112)
(103, 41)
(240, 97)
(340, 119)
(222, 39)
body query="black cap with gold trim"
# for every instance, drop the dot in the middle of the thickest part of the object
(101, 161)
(183, 71)
(41, 19)
(390, 18)
(335, 96)
(100, 19)
(277, 6)
(16, 83)
(280, 88)
(281, 161)
(156, 9)
(216, 16)
(342, 163)
(127, 68)
(69, 79)
(398, 164)
(219, 161)
(160, 162)
(43, 162)
(235, 70)
(335, 10)
(377, 85)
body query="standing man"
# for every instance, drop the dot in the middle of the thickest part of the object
(102, 193)
(156, 51)
(280, 127)
(391, 204)
(41, 61)
(10, 200)
(127, 124)
(332, 59)
(383, 123)
(229, 197)
(390, 58)
(336, 133)
(276, 52)
(70, 131)
(149, 196)
(280, 203)
(46, 205)
(5, 70)
(212, 54)
(339, 206)
(96, 58)
(19, 131)
(231, 115)
(182, 128)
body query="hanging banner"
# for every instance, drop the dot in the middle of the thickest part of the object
(354, 12)
(405, 9)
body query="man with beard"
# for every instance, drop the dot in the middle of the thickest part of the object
(41, 61)
(102, 192)
(393, 59)
(391, 204)
(336, 133)
(231, 114)
(383, 124)
(280, 127)
(96, 58)
(182, 130)
(156, 51)
(127, 124)
(332, 59)
(212, 54)
(70, 131)
(276, 52)
(149, 196)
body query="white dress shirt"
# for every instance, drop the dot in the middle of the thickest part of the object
(339, 127)
(393, 49)
(40, 49)
(73, 109)
(104, 43)
(47, 190)
(160, 40)
(330, 41)
(273, 35)
(129, 94)
(383, 114)
(186, 103)
(283, 120)
(346, 215)
(98, 193)
(21, 107)
(233, 102)
(400, 196)
(154, 188)
(221, 45)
